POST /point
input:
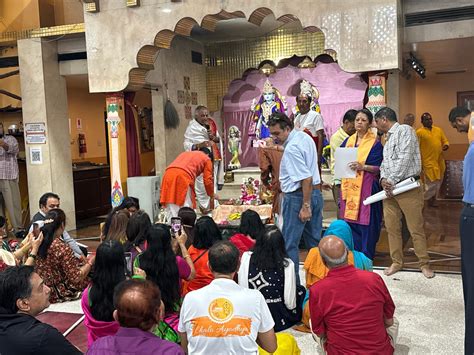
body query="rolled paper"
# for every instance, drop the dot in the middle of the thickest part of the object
(379, 196)
(400, 184)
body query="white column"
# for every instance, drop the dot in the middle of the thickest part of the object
(44, 99)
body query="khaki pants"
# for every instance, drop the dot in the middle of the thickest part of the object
(392, 333)
(11, 201)
(410, 204)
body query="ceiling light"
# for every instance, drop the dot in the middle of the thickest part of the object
(166, 10)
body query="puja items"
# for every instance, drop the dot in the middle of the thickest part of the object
(250, 192)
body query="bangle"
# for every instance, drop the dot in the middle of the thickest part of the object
(30, 255)
(187, 256)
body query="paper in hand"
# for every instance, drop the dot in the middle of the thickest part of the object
(342, 158)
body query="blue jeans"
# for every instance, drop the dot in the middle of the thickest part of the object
(294, 229)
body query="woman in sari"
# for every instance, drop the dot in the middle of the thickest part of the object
(315, 268)
(365, 221)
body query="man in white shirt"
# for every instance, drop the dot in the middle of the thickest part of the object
(199, 135)
(223, 317)
(309, 120)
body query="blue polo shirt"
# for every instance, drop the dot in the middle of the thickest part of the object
(299, 162)
(468, 175)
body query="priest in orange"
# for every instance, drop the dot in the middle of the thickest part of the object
(177, 186)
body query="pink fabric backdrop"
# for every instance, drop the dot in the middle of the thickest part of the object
(339, 91)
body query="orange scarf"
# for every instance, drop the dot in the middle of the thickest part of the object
(351, 188)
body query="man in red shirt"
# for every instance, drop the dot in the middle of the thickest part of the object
(351, 310)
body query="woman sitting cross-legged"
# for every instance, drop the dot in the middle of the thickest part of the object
(206, 233)
(167, 271)
(268, 269)
(61, 271)
(138, 228)
(97, 298)
(315, 268)
(251, 227)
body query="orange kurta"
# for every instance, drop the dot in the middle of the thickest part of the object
(182, 173)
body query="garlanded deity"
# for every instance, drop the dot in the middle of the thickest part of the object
(270, 102)
(233, 144)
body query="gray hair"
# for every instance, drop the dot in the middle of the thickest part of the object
(199, 109)
(332, 263)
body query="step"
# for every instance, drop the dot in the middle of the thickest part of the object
(245, 173)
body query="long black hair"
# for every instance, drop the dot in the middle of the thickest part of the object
(206, 233)
(251, 224)
(159, 263)
(128, 202)
(58, 218)
(269, 252)
(109, 271)
(138, 228)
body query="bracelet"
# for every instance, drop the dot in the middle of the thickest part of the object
(307, 205)
(32, 256)
(187, 256)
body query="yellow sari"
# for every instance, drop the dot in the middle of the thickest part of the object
(351, 188)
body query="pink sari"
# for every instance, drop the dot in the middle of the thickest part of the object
(95, 328)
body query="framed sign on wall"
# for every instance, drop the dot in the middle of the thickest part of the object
(466, 99)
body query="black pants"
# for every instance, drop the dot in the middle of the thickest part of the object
(466, 230)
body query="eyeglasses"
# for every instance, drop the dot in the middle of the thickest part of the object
(204, 115)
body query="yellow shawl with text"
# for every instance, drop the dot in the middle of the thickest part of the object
(351, 188)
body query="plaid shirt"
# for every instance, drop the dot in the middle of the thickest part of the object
(8, 162)
(401, 154)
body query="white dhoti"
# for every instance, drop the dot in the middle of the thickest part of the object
(172, 210)
(203, 200)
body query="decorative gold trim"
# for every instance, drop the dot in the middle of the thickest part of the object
(42, 32)
(133, 3)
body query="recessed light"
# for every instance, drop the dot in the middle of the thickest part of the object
(167, 11)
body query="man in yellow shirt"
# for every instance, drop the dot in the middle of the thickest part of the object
(347, 129)
(432, 144)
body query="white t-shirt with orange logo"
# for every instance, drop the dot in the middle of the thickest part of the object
(224, 318)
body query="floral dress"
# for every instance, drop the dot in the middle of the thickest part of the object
(60, 271)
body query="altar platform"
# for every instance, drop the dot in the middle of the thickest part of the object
(232, 190)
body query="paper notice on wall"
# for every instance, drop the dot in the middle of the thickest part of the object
(35, 133)
(36, 156)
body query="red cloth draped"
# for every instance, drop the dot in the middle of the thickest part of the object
(133, 153)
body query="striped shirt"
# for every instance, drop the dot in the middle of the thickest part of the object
(401, 154)
(8, 159)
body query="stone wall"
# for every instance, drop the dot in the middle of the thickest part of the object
(364, 33)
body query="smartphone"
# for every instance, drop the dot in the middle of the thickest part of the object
(128, 259)
(176, 224)
(36, 229)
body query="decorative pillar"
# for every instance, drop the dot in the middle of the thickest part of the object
(44, 103)
(117, 147)
(376, 93)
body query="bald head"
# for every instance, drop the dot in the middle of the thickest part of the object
(137, 304)
(409, 119)
(333, 251)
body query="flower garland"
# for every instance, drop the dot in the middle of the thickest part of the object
(250, 191)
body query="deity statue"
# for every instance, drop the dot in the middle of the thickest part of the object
(271, 101)
(233, 144)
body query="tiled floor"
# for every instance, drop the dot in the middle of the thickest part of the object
(441, 227)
